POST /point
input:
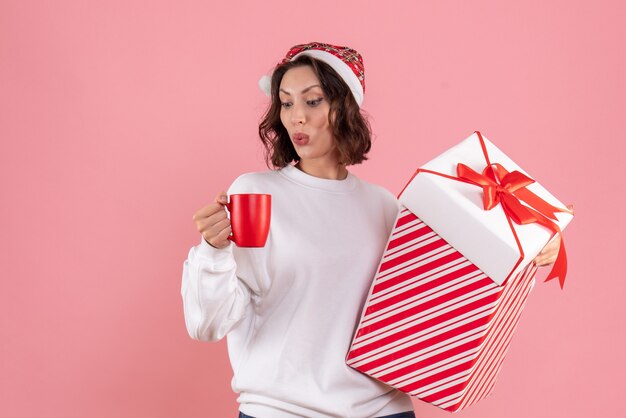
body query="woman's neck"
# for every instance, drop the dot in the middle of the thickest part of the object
(332, 171)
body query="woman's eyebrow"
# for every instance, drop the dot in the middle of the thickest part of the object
(303, 91)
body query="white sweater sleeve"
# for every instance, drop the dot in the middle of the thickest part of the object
(214, 298)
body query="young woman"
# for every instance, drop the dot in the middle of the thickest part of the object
(290, 309)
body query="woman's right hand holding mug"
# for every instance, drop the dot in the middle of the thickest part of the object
(213, 223)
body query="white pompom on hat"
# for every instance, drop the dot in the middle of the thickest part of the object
(265, 84)
(347, 62)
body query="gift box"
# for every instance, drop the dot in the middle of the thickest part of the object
(455, 275)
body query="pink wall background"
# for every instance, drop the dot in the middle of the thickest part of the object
(118, 120)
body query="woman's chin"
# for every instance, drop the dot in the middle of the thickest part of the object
(304, 154)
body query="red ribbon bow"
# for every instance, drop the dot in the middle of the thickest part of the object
(508, 189)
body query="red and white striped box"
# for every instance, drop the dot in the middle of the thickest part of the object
(435, 326)
(455, 275)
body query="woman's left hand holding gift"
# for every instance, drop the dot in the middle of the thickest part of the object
(549, 253)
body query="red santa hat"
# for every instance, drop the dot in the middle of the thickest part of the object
(347, 62)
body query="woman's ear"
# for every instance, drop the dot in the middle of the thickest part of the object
(332, 116)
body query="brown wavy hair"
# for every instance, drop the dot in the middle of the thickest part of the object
(349, 124)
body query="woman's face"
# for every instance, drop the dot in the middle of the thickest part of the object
(304, 113)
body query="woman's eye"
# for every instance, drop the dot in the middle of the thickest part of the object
(311, 103)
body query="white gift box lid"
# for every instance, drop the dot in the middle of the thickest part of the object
(455, 211)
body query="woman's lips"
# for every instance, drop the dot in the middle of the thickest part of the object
(300, 138)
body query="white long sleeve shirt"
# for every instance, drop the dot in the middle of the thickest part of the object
(289, 310)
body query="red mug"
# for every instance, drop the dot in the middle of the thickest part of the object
(250, 218)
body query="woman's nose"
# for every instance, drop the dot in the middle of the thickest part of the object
(298, 115)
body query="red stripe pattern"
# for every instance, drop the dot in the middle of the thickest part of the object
(434, 325)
